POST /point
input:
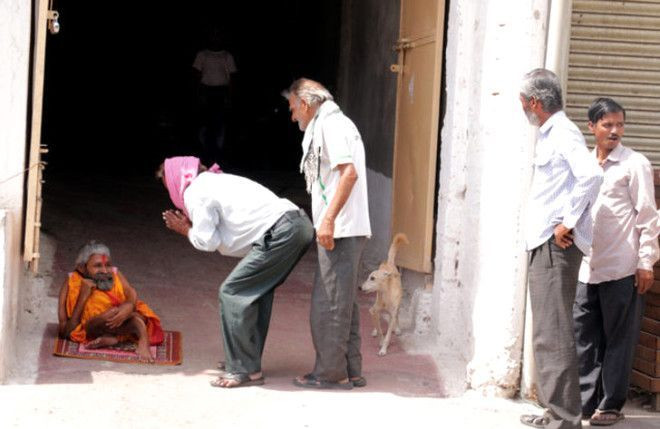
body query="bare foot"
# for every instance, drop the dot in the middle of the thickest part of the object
(143, 352)
(100, 342)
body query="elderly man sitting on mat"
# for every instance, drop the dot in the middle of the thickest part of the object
(99, 308)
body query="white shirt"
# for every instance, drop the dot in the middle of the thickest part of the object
(625, 219)
(229, 213)
(216, 67)
(338, 141)
(565, 185)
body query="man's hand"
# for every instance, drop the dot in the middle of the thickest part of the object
(326, 233)
(177, 221)
(119, 314)
(563, 236)
(643, 280)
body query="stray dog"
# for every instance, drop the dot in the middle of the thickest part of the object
(386, 282)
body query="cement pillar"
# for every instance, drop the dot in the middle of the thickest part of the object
(559, 38)
(485, 171)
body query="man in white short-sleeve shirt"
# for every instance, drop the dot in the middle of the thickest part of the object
(346, 148)
(214, 68)
(333, 163)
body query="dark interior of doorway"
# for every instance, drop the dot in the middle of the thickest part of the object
(119, 89)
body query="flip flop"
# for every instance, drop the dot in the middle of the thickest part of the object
(534, 420)
(358, 381)
(243, 380)
(606, 417)
(310, 380)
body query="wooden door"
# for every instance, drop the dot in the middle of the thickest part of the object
(36, 166)
(420, 47)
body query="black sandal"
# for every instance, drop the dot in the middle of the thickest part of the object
(358, 381)
(310, 380)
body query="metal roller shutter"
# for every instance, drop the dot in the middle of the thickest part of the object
(615, 52)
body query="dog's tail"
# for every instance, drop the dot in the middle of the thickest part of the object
(396, 242)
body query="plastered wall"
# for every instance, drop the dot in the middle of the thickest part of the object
(367, 94)
(15, 20)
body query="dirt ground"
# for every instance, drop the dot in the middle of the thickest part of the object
(180, 284)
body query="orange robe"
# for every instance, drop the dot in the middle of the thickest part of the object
(101, 301)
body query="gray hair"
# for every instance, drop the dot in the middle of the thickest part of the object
(309, 91)
(89, 249)
(545, 86)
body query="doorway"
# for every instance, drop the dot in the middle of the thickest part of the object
(119, 95)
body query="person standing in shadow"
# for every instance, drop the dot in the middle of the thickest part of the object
(214, 69)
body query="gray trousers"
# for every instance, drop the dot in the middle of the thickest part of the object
(246, 296)
(607, 320)
(335, 315)
(553, 274)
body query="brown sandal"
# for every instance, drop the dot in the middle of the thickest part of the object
(605, 417)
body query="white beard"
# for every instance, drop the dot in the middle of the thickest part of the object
(533, 118)
(104, 283)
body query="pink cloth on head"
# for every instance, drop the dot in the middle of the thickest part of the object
(180, 171)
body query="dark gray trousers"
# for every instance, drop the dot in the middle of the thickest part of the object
(607, 320)
(553, 274)
(246, 296)
(335, 315)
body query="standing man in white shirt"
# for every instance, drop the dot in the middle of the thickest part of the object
(214, 69)
(613, 279)
(241, 218)
(333, 163)
(558, 233)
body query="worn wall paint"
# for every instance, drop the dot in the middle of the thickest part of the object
(380, 214)
(367, 94)
(6, 322)
(367, 87)
(15, 20)
(487, 144)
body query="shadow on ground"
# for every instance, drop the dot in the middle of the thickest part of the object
(180, 284)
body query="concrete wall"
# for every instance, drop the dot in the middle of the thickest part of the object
(480, 263)
(367, 94)
(15, 21)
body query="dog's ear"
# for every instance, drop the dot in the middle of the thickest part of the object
(394, 273)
